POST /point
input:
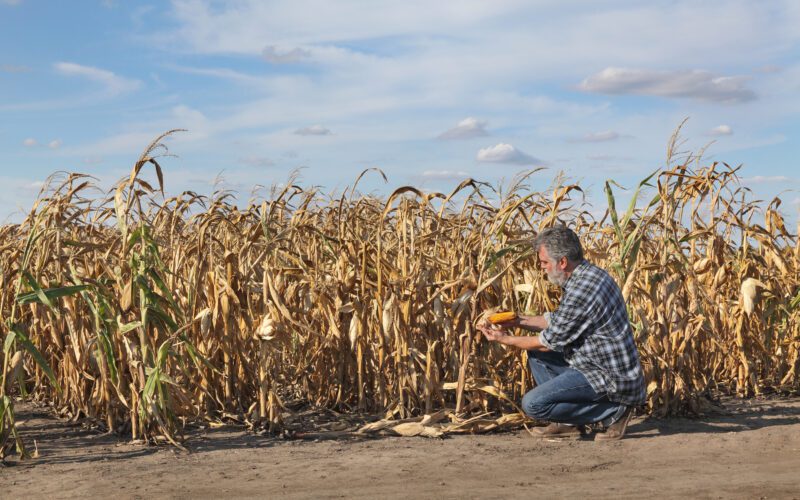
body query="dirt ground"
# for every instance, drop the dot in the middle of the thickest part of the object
(752, 452)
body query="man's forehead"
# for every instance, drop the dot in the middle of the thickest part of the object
(543, 253)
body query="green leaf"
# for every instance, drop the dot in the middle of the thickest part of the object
(150, 385)
(49, 294)
(167, 294)
(491, 261)
(164, 378)
(163, 318)
(126, 327)
(37, 356)
(795, 301)
(108, 351)
(7, 415)
(612, 211)
(196, 357)
(632, 205)
(10, 337)
(161, 359)
(134, 238)
(37, 290)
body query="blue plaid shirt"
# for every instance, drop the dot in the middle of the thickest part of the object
(591, 328)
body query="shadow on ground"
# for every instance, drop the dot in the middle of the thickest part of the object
(63, 442)
(738, 416)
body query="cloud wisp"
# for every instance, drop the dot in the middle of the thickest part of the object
(467, 128)
(257, 161)
(506, 153)
(766, 179)
(313, 130)
(720, 130)
(447, 175)
(274, 55)
(113, 84)
(30, 142)
(605, 136)
(11, 68)
(693, 84)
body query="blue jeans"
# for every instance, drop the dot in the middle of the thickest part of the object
(562, 394)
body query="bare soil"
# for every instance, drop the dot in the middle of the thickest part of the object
(751, 452)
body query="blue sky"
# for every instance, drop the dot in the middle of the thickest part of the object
(429, 92)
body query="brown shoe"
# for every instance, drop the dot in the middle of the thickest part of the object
(616, 430)
(556, 430)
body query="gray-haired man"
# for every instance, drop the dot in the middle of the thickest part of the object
(584, 359)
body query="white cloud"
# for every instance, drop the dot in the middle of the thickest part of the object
(10, 2)
(505, 153)
(753, 143)
(29, 142)
(114, 85)
(720, 130)
(93, 160)
(54, 144)
(696, 84)
(445, 174)
(274, 55)
(121, 143)
(250, 25)
(420, 68)
(224, 73)
(192, 120)
(605, 136)
(18, 195)
(313, 130)
(764, 179)
(466, 129)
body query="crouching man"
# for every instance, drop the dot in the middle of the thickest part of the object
(584, 359)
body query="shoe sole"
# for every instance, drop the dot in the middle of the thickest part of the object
(556, 437)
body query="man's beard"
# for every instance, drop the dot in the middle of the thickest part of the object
(558, 276)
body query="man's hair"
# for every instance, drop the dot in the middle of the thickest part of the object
(560, 241)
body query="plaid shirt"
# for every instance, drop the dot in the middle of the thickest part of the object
(591, 328)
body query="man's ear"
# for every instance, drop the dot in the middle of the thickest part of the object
(562, 263)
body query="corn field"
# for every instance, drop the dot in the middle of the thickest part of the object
(144, 311)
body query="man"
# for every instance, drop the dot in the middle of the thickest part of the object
(584, 359)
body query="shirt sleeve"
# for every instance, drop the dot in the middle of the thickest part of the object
(569, 322)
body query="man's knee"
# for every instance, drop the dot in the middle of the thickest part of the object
(534, 406)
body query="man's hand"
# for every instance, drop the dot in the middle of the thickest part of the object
(500, 332)
(496, 332)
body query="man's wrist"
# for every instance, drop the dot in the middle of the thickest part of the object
(503, 339)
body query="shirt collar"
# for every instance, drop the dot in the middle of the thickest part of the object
(579, 269)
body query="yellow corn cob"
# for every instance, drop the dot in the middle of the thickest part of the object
(502, 317)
